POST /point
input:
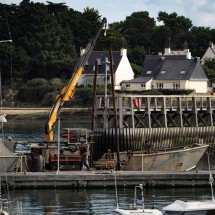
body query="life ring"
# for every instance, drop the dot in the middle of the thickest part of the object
(73, 148)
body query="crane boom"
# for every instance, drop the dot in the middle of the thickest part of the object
(67, 92)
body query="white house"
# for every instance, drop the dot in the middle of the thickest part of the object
(170, 71)
(121, 64)
(209, 54)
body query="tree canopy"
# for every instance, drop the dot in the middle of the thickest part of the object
(47, 38)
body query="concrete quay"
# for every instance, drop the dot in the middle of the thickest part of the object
(104, 179)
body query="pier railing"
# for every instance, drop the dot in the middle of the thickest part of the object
(137, 111)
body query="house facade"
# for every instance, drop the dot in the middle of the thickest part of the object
(121, 65)
(170, 71)
(209, 54)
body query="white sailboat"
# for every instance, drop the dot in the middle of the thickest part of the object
(193, 207)
(138, 208)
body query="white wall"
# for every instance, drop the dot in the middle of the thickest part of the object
(80, 80)
(133, 86)
(124, 71)
(199, 86)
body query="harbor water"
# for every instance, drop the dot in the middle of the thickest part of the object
(95, 201)
(83, 201)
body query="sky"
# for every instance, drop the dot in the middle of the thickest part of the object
(200, 12)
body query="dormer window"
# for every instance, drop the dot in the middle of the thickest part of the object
(182, 72)
(163, 72)
(149, 72)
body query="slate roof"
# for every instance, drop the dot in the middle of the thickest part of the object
(137, 80)
(173, 67)
(101, 55)
(213, 49)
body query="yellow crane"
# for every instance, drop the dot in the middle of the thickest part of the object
(67, 92)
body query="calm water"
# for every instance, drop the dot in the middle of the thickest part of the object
(91, 201)
(95, 201)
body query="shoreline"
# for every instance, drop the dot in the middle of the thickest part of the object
(41, 113)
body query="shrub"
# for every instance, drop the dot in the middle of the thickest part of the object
(33, 90)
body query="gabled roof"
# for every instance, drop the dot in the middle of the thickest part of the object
(176, 70)
(101, 56)
(154, 63)
(213, 49)
(181, 69)
(172, 67)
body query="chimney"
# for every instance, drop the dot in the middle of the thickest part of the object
(188, 55)
(123, 52)
(197, 59)
(82, 51)
(167, 51)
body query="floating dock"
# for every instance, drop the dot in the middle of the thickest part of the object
(104, 179)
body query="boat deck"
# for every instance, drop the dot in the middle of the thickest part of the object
(101, 179)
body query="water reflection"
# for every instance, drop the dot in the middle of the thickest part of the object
(96, 201)
(91, 201)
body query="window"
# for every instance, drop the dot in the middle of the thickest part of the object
(176, 86)
(149, 72)
(163, 72)
(159, 85)
(143, 85)
(182, 72)
(127, 85)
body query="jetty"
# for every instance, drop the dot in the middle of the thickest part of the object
(104, 179)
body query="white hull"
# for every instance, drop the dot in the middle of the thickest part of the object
(4, 213)
(183, 159)
(137, 212)
(195, 206)
(8, 159)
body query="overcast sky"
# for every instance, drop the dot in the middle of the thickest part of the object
(200, 12)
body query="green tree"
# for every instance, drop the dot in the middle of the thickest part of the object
(209, 68)
(199, 39)
(137, 70)
(137, 29)
(178, 26)
(49, 46)
(33, 90)
(137, 55)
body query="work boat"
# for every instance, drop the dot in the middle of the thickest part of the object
(138, 207)
(167, 159)
(193, 207)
